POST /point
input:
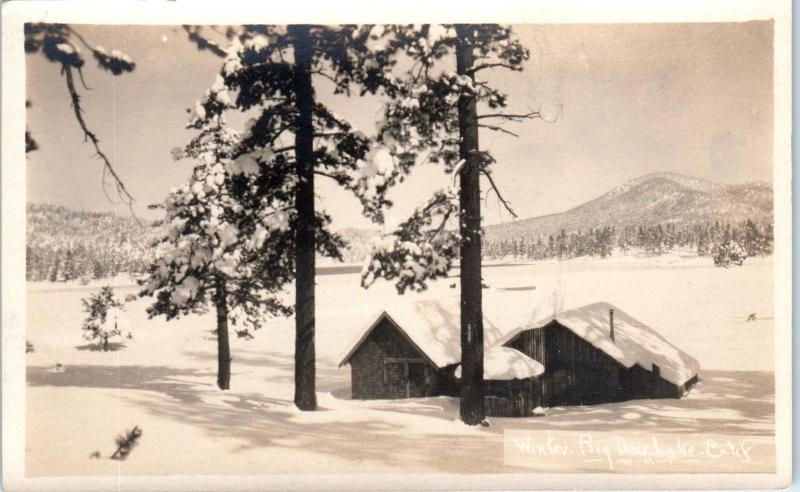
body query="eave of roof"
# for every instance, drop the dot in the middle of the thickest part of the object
(384, 315)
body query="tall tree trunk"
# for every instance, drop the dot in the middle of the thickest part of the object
(472, 411)
(304, 353)
(223, 343)
(105, 343)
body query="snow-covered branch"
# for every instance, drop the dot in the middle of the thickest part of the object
(416, 253)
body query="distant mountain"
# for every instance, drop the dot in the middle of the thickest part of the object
(662, 198)
(63, 244)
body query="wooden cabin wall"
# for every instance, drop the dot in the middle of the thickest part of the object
(646, 384)
(368, 364)
(576, 372)
(531, 343)
(516, 398)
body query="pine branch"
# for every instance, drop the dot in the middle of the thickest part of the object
(499, 129)
(80, 38)
(497, 192)
(442, 225)
(339, 178)
(122, 192)
(202, 43)
(126, 442)
(484, 66)
(512, 117)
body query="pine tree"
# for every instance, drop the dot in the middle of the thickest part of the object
(436, 109)
(55, 270)
(103, 313)
(752, 240)
(224, 243)
(68, 270)
(728, 253)
(275, 72)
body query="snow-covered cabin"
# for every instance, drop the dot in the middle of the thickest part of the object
(511, 379)
(598, 353)
(410, 349)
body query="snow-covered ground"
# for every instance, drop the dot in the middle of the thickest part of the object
(163, 380)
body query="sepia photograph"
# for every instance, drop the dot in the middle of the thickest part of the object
(259, 250)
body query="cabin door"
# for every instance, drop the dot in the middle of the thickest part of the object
(395, 379)
(405, 378)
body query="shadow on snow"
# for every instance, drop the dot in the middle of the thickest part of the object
(406, 433)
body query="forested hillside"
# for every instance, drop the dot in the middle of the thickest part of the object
(65, 245)
(653, 214)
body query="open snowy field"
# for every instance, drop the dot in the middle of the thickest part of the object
(163, 380)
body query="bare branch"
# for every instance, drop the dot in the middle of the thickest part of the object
(122, 192)
(497, 192)
(287, 148)
(331, 134)
(512, 117)
(325, 75)
(80, 38)
(499, 129)
(441, 227)
(339, 178)
(484, 66)
(83, 82)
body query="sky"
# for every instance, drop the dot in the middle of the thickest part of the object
(620, 100)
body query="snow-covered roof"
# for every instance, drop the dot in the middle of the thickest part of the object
(634, 342)
(505, 363)
(432, 325)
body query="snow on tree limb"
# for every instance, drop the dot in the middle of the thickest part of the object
(423, 115)
(57, 42)
(419, 250)
(258, 70)
(221, 224)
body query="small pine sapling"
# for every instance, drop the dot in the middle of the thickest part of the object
(126, 442)
(103, 311)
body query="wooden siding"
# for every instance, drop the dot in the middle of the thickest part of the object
(515, 398)
(578, 373)
(387, 366)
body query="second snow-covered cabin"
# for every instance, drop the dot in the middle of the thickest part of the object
(598, 353)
